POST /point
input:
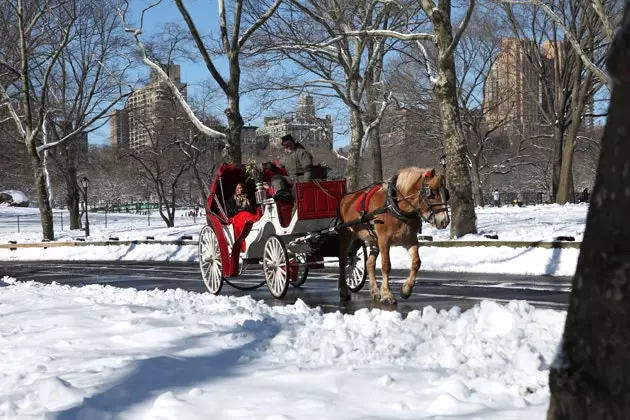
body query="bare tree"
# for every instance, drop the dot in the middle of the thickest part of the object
(43, 29)
(590, 376)
(569, 71)
(231, 46)
(312, 35)
(167, 153)
(444, 80)
(482, 117)
(88, 77)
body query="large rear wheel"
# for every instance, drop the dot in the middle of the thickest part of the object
(210, 260)
(276, 266)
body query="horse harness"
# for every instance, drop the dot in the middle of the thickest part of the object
(424, 194)
(391, 204)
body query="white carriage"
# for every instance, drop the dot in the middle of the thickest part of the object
(287, 238)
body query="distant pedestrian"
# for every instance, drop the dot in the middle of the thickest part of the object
(585, 196)
(496, 198)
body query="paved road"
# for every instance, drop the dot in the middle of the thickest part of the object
(441, 290)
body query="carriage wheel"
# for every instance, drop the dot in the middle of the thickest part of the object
(356, 269)
(301, 266)
(276, 266)
(210, 260)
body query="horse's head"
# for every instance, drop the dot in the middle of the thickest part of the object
(433, 199)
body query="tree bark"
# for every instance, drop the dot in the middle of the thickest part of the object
(353, 167)
(580, 96)
(591, 376)
(233, 111)
(476, 184)
(45, 210)
(463, 217)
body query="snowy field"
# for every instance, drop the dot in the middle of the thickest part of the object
(535, 223)
(99, 353)
(104, 353)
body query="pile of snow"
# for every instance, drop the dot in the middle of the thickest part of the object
(18, 198)
(102, 352)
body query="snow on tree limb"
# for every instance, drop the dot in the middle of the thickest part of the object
(136, 32)
(391, 34)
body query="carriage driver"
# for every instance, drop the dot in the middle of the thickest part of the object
(297, 161)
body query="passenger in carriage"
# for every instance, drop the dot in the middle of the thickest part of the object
(239, 202)
(241, 212)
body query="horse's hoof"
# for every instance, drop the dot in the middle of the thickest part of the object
(344, 294)
(376, 295)
(405, 292)
(388, 300)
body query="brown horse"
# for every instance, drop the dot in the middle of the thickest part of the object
(412, 196)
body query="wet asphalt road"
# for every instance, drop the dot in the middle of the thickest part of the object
(442, 290)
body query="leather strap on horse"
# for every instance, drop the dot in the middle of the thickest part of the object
(363, 204)
(392, 203)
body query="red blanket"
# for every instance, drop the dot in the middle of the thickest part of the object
(363, 203)
(242, 223)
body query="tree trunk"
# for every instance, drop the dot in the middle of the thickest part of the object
(591, 376)
(463, 217)
(580, 94)
(45, 210)
(233, 111)
(375, 148)
(476, 184)
(556, 163)
(353, 166)
(67, 162)
(73, 200)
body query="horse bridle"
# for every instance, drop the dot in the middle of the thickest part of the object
(425, 194)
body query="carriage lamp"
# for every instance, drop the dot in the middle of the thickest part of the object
(84, 183)
(261, 194)
(443, 160)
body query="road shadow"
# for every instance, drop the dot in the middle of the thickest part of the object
(554, 262)
(153, 376)
(131, 247)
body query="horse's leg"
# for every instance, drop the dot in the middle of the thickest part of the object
(407, 288)
(386, 295)
(345, 240)
(371, 269)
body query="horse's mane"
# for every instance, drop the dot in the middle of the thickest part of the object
(408, 177)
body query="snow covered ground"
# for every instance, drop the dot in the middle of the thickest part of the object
(535, 223)
(101, 353)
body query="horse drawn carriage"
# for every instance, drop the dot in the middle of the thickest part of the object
(320, 220)
(288, 237)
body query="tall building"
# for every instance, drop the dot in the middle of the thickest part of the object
(149, 112)
(304, 126)
(512, 91)
(119, 128)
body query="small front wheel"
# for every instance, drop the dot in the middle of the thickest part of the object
(276, 266)
(299, 264)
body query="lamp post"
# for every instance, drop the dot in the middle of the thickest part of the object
(84, 183)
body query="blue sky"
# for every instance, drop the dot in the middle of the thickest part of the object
(205, 16)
